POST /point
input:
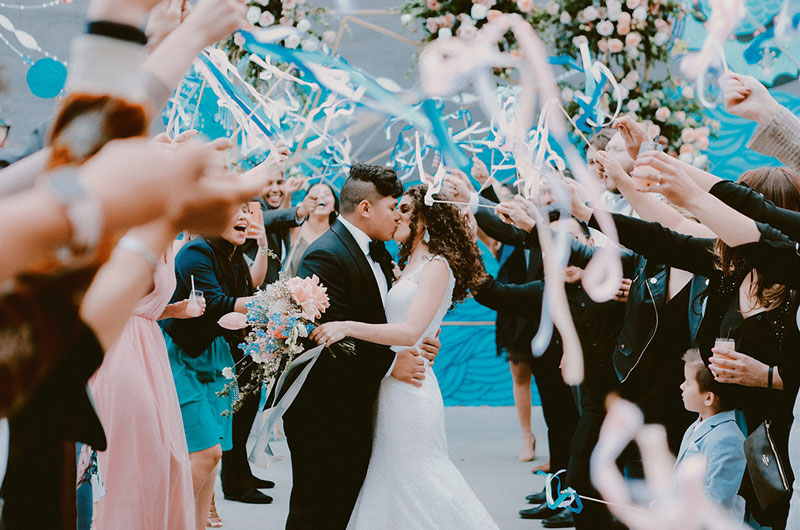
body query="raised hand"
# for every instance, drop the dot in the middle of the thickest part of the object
(612, 169)
(214, 20)
(479, 170)
(660, 173)
(163, 20)
(633, 132)
(512, 212)
(747, 98)
(578, 203)
(455, 187)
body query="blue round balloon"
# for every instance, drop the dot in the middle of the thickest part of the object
(46, 77)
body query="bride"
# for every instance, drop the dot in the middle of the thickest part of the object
(411, 482)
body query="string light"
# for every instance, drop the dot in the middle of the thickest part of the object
(23, 7)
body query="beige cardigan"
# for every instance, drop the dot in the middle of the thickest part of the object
(779, 137)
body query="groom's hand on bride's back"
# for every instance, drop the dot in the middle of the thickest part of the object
(409, 367)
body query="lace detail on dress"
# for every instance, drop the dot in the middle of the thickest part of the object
(411, 484)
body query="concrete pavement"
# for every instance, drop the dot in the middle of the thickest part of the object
(484, 443)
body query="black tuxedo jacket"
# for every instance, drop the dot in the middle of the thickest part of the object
(329, 424)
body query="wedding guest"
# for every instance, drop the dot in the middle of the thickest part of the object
(138, 407)
(558, 403)
(715, 434)
(326, 209)
(278, 221)
(199, 349)
(597, 325)
(744, 302)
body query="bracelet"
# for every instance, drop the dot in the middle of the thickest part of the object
(136, 246)
(115, 30)
(263, 250)
(769, 378)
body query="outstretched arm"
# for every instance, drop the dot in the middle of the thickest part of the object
(430, 291)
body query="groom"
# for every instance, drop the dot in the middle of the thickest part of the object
(329, 424)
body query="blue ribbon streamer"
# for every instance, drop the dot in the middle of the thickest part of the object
(564, 494)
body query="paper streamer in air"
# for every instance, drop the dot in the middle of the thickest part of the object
(668, 498)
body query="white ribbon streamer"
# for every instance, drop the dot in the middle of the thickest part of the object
(261, 452)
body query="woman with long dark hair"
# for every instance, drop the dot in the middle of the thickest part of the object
(411, 482)
(199, 349)
(326, 210)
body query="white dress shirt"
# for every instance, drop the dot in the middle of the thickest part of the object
(363, 241)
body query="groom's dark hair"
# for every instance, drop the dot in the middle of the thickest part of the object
(370, 182)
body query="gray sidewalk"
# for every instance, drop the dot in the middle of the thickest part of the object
(484, 443)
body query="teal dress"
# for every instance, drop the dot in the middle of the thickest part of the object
(197, 381)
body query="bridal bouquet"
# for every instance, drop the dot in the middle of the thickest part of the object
(279, 317)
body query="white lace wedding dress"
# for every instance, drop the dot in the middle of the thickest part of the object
(411, 484)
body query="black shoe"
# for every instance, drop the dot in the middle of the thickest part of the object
(537, 498)
(561, 520)
(252, 496)
(260, 483)
(538, 512)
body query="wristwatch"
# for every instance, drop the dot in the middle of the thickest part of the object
(84, 212)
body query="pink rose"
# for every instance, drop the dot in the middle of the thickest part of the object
(311, 296)
(434, 5)
(602, 45)
(688, 135)
(662, 25)
(633, 4)
(702, 143)
(615, 45)
(632, 40)
(432, 24)
(448, 20)
(702, 132)
(233, 321)
(624, 18)
(493, 14)
(662, 114)
(685, 148)
(680, 116)
(526, 6)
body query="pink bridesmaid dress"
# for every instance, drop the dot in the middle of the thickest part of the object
(146, 468)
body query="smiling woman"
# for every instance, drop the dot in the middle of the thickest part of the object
(199, 349)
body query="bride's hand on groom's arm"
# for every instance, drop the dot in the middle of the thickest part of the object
(330, 333)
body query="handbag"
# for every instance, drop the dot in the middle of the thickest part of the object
(766, 464)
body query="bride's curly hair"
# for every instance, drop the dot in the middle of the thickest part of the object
(450, 237)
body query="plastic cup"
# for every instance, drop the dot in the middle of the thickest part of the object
(194, 307)
(724, 343)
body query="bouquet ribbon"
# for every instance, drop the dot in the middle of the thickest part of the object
(261, 452)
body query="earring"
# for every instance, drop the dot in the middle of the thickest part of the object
(426, 237)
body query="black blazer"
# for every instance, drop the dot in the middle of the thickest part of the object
(197, 258)
(344, 383)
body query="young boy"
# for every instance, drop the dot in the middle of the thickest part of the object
(715, 434)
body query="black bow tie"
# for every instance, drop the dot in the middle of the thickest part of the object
(379, 254)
